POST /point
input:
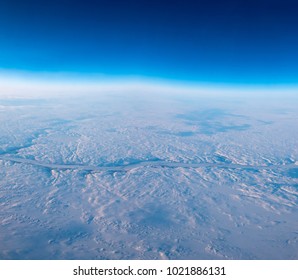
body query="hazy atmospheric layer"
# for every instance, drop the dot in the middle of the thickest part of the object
(144, 174)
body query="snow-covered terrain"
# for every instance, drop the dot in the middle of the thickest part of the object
(148, 176)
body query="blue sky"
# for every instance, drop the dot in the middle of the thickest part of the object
(213, 41)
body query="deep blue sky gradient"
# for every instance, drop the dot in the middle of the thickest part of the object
(224, 41)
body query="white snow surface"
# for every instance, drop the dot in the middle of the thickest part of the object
(140, 176)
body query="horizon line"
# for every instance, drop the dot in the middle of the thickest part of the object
(15, 81)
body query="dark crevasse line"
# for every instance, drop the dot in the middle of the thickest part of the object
(147, 163)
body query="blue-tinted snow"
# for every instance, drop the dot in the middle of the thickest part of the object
(135, 177)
